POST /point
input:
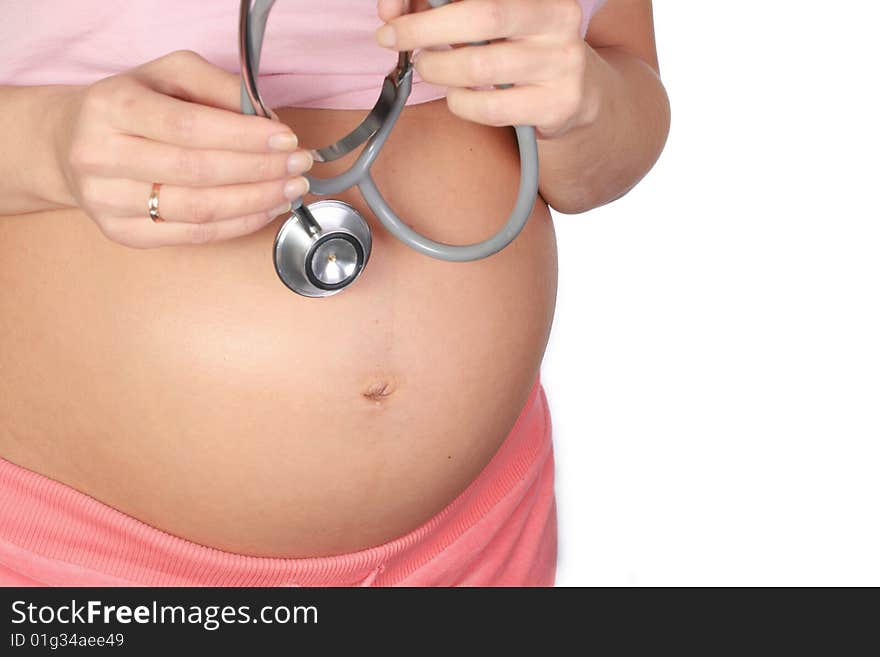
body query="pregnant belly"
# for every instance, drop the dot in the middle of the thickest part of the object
(189, 388)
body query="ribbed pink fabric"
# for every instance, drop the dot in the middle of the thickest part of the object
(501, 531)
(317, 53)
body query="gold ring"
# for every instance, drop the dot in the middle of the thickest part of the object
(153, 204)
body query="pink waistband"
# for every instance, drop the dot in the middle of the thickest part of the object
(500, 530)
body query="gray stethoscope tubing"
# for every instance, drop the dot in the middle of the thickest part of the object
(375, 130)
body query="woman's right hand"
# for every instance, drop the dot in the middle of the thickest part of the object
(176, 121)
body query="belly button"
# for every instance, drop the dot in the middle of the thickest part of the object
(378, 391)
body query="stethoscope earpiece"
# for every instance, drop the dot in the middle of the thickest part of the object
(323, 247)
(320, 263)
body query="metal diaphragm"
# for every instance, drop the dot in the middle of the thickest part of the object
(324, 264)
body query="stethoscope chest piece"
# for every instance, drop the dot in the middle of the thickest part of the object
(323, 247)
(320, 263)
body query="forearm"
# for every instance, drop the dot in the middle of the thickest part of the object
(30, 179)
(616, 139)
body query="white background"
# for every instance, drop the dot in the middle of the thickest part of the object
(714, 369)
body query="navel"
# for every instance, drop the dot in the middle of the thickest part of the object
(378, 391)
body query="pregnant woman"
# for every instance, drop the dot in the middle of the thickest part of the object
(171, 413)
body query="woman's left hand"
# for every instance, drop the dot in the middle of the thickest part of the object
(542, 53)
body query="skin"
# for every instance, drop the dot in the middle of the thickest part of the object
(173, 120)
(599, 108)
(145, 376)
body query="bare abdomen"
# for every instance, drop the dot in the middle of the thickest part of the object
(189, 388)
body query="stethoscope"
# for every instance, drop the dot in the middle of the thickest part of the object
(323, 247)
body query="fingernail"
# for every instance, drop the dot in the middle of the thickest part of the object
(296, 188)
(299, 162)
(281, 209)
(283, 141)
(386, 37)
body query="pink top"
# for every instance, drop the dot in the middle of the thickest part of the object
(317, 53)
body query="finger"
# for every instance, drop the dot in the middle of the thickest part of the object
(499, 63)
(125, 198)
(391, 9)
(141, 232)
(526, 105)
(151, 161)
(189, 76)
(151, 114)
(479, 20)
